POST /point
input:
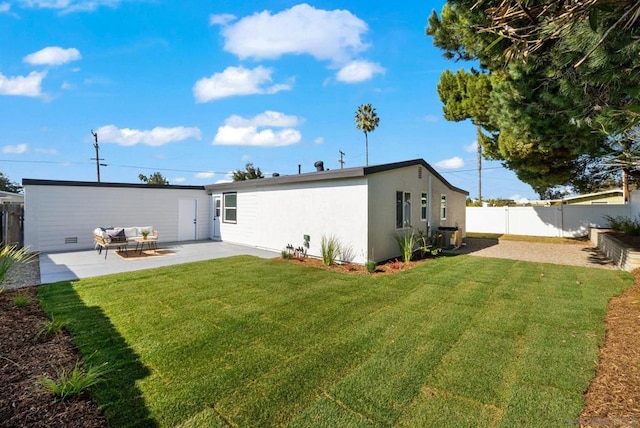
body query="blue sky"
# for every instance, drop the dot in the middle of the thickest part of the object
(197, 89)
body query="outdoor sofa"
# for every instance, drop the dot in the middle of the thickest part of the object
(120, 237)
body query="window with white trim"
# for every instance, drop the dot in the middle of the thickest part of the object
(424, 207)
(403, 209)
(443, 207)
(230, 210)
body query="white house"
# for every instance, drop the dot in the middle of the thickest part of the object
(361, 207)
(61, 215)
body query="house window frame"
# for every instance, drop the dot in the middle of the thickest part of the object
(424, 206)
(403, 209)
(443, 206)
(227, 208)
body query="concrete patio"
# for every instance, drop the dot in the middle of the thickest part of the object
(66, 266)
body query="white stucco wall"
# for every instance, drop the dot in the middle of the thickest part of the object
(53, 213)
(271, 217)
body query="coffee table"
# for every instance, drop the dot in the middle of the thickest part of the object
(152, 243)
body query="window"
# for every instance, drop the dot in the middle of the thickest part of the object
(230, 207)
(443, 207)
(424, 211)
(403, 209)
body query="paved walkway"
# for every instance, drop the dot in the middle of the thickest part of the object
(68, 266)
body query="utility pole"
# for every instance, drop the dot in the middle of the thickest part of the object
(479, 168)
(97, 158)
(341, 159)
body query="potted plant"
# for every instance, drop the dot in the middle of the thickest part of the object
(144, 234)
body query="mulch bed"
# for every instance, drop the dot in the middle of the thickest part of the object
(25, 357)
(612, 400)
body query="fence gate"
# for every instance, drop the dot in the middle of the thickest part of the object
(12, 224)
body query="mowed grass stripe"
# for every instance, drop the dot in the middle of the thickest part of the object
(262, 342)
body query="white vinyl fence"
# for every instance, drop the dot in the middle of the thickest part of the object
(560, 221)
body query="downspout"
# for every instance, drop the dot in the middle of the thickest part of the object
(429, 205)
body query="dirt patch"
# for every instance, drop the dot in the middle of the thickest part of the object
(386, 268)
(25, 357)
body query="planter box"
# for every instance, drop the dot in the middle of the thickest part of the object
(625, 257)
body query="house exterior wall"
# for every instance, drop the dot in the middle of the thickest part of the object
(53, 214)
(382, 207)
(271, 217)
(615, 199)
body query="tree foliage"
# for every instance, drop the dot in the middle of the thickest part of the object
(155, 178)
(250, 173)
(549, 107)
(7, 185)
(367, 121)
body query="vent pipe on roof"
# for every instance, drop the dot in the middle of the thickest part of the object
(275, 174)
(319, 166)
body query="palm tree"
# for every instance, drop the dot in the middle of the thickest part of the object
(367, 121)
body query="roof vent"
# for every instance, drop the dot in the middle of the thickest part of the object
(319, 166)
(275, 174)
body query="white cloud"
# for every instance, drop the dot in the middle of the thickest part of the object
(47, 151)
(359, 71)
(268, 118)
(53, 55)
(67, 6)
(333, 35)
(28, 86)
(472, 148)
(207, 174)
(245, 157)
(157, 136)
(453, 163)
(239, 131)
(5, 7)
(319, 140)
(237, 81)
(221, 19)
(431, 118)
(18, 149)
(179, 180)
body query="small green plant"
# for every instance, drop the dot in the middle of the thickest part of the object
(144, 233)
(74, 381)
(371, 266)
(406, 240)
(21, 300)
(285, 254)
(52, 328)
(330, 248)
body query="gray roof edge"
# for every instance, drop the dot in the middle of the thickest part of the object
(329, 175)
(396, 165)
(38, 182)
(333, 174)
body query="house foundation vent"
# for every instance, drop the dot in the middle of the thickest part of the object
(71, 240)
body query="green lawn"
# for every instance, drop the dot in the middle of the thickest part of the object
(459, 341)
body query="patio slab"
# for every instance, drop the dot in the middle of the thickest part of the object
(68, 266)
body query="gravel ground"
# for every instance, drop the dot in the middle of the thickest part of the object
(578, 254)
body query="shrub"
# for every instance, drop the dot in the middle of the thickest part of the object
(330, 248)
(625, 224)
(371, 266)
(74, 381)
(21, 301)
(406, 241)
